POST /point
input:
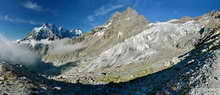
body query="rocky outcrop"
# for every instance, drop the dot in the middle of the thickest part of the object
(13, 80)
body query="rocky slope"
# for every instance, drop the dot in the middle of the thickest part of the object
(13, 80)
(129, 56)
(126, 52)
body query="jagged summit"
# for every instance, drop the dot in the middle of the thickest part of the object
(212, 19)
(128, 13)
(129, 20)
(51, 32)
(214, 13)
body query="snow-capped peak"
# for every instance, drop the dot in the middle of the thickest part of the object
(77, 32)
(52, 32)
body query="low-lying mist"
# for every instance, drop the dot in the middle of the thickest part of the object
(11, 52)
(60, 46)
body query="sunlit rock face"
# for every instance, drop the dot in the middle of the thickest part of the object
(120, 27)
(155, 40)
(126, 47)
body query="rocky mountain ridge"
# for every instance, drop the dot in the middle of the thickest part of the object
(51, 32)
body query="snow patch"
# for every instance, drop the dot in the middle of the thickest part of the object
(145, 44)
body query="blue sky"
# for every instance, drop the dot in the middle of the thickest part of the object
(18, 17)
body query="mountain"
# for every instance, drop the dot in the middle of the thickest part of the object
(120, 27)
(51, 32)
(130, 55)
(128, 46)
(129, 39)
(40, 37)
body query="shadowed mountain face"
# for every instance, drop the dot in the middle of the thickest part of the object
(129, 56)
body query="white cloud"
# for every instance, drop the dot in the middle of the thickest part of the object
(33, 6)
(59, 47)
(13, 53)
(106, 9)
(103, 11)
(136, 3)
(130, 3)
(18, 20)
(29, 4)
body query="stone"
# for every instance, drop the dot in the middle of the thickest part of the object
(2, 67)
(58, 88)
(1, 78)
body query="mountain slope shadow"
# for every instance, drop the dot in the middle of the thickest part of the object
(49, 69)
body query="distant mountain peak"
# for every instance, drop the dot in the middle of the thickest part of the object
(214, 13)
(51, 32)
(45, 25)
(130, 11)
